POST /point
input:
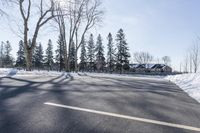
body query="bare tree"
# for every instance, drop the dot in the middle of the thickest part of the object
(166, 60)
(3, 3)
(83, 15)
(195, 55)
(186, 63)
(78, 16)
(60, 20)
(143, 57)
(190, 61)
(46, 12)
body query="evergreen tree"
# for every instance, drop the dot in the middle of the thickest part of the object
(1, 54)
(38, 57)
(111, 53)
(122, 52)
(60, 54)
(83, 56)
(91, 52)
(100, 59)
(21, 62)
(72, 56)
(8, 60)
(49, 55)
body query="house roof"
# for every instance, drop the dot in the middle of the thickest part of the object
(148, 66)
(158, 66)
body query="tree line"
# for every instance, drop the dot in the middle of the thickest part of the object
(77, 16)
(92, 55)
(73, 20)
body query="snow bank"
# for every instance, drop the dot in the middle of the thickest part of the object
(114, 75)
(190, 83)
(38, 73)
(4, 71)
(14, 72)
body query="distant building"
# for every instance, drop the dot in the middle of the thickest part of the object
(150, 68)
(161, 68)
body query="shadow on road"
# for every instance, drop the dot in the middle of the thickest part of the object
(154, 99)
(7, 91)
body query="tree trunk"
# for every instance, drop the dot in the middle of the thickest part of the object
(68, 59)
(76, 62)
(65, 57)
(28, 59)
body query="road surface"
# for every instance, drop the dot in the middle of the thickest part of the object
(94, 104)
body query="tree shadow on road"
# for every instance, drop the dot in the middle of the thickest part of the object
(117, 94)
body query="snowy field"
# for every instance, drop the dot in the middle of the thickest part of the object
(190, 83)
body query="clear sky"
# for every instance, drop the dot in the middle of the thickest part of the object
(161, 27)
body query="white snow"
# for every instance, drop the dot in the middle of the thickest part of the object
(114, 75)
(6, 72)
(190, 83)
(14, 72)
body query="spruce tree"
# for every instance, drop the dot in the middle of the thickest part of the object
(91, 52)
(110, 53)
(122, 52)
(8, 60)
(1, 54)
(49, 55)
(60, 54)
(100, 59)
(38, 56)
(21, 62)
(72, 56)
(83, 57)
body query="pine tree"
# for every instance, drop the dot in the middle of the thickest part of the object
(83, 56)
(91, 52)
(38, 57)
(122, 52)
(111, 53)
(60, 54)
(21, 62)
(49, 55)
(1, 54)
(72, 56)
(100, 59)
(8, 60)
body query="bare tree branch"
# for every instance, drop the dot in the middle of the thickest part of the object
(143, 57)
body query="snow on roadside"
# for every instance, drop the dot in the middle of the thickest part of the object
(4, 71)
(190, 83)
(38, 73)
(114, 75)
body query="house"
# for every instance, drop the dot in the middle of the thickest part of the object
(150, 68)
(137, 67)
(161, 68)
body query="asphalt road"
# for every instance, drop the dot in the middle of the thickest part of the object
(22, 108)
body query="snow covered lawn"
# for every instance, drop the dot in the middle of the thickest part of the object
(4, 71)
(190, 83)
(14, 72)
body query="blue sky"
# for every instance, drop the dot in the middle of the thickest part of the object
(161, 27)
